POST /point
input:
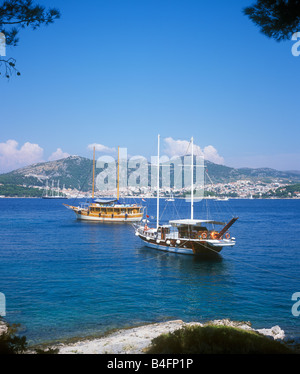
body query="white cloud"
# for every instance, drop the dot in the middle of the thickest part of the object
(210, 153)
(58, 155)
(101, 148)
(13, 158)
(181, 147)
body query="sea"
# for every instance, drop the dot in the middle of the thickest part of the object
(66, 279)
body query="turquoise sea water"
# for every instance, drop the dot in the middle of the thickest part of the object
(65, 278)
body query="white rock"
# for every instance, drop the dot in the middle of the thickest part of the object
(132, 341)
(137, 339)
(3, 327)
(275, 332)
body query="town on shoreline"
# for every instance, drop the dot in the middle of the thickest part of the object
(241, 189)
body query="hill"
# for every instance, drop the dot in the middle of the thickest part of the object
(73, 172)
(292, 190)
(76, 172)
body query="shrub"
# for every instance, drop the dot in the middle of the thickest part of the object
(215, 340)
(10, 343)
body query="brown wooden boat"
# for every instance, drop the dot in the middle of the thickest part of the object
(107, 210)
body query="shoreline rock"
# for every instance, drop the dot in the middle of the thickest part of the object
(137, 339)
(3, 327)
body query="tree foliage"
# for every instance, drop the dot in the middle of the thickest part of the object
(10, 342)
(18, 14)
(277, 19)
(11, 190)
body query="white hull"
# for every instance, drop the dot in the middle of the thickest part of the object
(217, 244)
(185, 251)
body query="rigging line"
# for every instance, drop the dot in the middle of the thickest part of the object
(176, 210)
(179, 175)
(217, 206)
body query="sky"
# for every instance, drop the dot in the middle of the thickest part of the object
(119, 72)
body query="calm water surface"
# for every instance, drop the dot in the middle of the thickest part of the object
(64, 278)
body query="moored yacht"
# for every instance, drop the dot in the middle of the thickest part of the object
(107, 210)
(186, 236)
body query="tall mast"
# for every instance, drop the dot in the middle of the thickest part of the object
(157, 194)
(93, 174)
(192, 180)
(118, 185)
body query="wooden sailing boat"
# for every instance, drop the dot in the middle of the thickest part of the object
(186, 236)
(107, 210)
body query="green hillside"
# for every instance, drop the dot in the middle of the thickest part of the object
(75, 172)
(292, 190)
(11, 190)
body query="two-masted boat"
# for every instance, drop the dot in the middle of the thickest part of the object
(107, 210)
(186, 236)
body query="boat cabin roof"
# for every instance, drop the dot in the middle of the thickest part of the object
(194, 222)
(104, 201)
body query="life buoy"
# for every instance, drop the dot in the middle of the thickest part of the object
(204, 235)
(214, 235)
(227, 235)
(146, 228)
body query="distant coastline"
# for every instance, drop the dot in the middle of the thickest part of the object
(152, 197)
(72, 175)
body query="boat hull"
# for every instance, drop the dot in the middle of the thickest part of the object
(86, 217)
(205, 247)
(53, 197)
(134, 214)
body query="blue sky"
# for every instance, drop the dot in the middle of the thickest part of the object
(119, 72)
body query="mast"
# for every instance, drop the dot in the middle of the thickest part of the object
(192, 180)
(118, 186)
(93, 174)
(157, 194)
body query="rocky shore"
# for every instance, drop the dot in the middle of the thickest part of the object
(136, 340)
(3, 327)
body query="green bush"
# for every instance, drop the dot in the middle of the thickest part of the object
(215, 340)
(10, 343)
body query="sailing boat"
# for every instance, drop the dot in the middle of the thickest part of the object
(53, 194)
(186, 236)
(107, 210)
(171, 198)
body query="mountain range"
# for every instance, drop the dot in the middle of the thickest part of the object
(76, 172)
